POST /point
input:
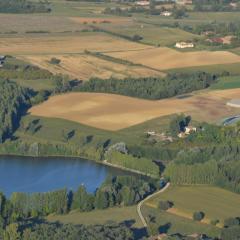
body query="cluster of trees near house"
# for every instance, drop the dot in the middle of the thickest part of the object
(23, 6)
(177, 12)
(115, 191)
(151, 87)
(212, 158)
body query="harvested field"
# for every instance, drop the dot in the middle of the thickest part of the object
(114, 112)
(166, 58)
(85, 67)
(61, 44)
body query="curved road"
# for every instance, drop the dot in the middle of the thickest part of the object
(146, 199)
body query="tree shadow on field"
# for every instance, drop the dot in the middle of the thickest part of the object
(138, 233)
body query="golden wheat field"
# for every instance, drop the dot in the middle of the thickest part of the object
(62, 44)
(114, 112)
(85, 67)
(167, 58)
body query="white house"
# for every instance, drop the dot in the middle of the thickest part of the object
(190, 129)
(166, 14)
(184, 45)
(142, 3)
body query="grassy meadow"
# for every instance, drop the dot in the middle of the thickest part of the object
(172, 224)
(216, 203)
(100, 216)
(227, 83)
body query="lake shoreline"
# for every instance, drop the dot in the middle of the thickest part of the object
(104, 162)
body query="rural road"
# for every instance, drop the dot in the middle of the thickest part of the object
(146, 199)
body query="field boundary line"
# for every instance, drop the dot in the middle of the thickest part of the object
(139, 206)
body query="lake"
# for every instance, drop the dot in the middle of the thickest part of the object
(18, 174)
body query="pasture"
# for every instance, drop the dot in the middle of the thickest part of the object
(151, 34)
(115, 112)
(99, 216)
(216, 203)
(166, 58)
(232, 68)
(227, 83)
(84, 67)
(174, 224)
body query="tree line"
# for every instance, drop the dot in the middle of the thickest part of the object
(151, 87)
(23, 6)
(13, 102)
(55, 231)
(115, 191)
(214, 6)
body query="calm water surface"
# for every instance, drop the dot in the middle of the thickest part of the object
(46, 174)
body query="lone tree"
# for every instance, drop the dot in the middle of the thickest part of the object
(55, 61)
(229, 222)
(165, 205)
(198, 216)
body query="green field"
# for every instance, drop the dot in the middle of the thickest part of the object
(100, 216)
(215, 202)
(174, 224)
(227, 83)
(154, 35)
(51, 129)
(233, 69)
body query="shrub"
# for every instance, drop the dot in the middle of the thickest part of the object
(229, 222)
(198, 216)
(137, 38)
(214, 222)
(165, 205)
(55, 61)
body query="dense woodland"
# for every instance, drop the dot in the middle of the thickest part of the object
(55, 231)
(214, 5)
(23, 6)
(13, 102)
(151, 88)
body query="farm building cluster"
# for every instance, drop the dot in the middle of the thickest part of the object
(179, 2)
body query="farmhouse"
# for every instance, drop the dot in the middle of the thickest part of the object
(215, 40)
(187, 131)
(142, 3)
(166, 14)
(184, 45)
(221, 40)
(233, 4)
(190, 129)
(184, 2)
